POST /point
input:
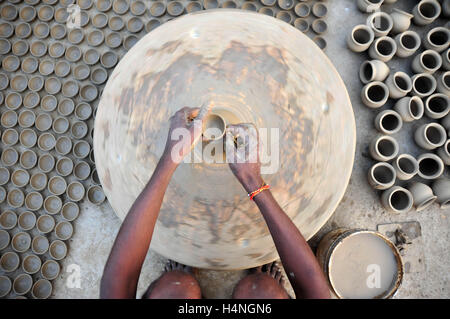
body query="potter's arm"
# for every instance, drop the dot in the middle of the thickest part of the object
(299, 262)
(122, 270)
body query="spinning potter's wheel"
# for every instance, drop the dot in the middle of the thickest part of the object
(251, 68)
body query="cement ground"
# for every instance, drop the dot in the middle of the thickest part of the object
(96, 227)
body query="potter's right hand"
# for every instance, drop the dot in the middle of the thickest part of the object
(242, 149)
(185, 131)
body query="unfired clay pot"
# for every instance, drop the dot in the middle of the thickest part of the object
(437, 39)
(401, 20)
(50, 269)
(64, 229)
(46, 163)
(408, 42)
(369, 5)
(383, 148)
(381, 176)
(96, 195)
(38, 181)
(443, 83)
(63, 145)
(70, 211)
(40, 243)
(9, 261)
(444, 152)
(426, 11)
(406, 166)
(31, 264)
(423, 85)
(4, 239)
(8, 219)
(28, 159)
(399, 84)
(388, 122)
(383, 48)
(441, 189)
(437, 106)
(21, 242)
(430, 136)
(33, 201)
(75, 191)
(45, 224)
(5, 286)
(360, 38)
(380, 22)
(397, 200)
(22, 284)
(430, 166)
(27, 220)
(374, 94)
(52, 204)
(57, 250)
(445, 55)
(42, 289)
(428, 61)
(422, 195)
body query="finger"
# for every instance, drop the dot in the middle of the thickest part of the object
(204, 110)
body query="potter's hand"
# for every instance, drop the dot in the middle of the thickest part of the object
(185, 131)
(242, 151)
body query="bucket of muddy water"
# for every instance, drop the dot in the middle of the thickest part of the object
(360, 264)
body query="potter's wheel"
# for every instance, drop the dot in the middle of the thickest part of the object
(252, 68)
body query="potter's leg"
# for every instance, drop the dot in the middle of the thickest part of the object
(176, 282)
(266, 282)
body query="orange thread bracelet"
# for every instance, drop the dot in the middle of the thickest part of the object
(259, 190)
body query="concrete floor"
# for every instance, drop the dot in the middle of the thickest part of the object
(96, 227)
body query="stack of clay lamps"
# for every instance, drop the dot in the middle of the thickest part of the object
(423, 94)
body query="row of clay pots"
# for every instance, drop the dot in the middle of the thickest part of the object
(52, 204)
(401, 200)
(23, 283)
(32, 264)
(27, 220)
(424, 13)
(382, 47)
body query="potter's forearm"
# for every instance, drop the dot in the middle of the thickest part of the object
(124, 264)
(298, 260)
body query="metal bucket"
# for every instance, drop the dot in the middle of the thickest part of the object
(331, 241)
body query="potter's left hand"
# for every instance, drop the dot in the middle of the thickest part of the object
(185, 131)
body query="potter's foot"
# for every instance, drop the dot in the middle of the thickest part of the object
(265, 282)
(176, 282)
